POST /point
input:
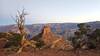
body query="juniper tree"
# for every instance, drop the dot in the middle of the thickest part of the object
(20, 21)
(81, 38)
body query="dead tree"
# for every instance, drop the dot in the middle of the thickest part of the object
(20, 20)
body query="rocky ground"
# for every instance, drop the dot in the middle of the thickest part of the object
(52, 52)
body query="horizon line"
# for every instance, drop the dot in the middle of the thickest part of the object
(48, 23)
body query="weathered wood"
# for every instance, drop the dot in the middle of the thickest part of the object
(20, 20)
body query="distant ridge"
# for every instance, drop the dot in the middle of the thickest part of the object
(36, 28)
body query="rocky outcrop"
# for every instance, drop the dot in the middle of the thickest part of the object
(52, 40)
(4, 39)
(3, 42)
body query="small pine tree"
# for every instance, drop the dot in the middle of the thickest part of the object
(81, 36)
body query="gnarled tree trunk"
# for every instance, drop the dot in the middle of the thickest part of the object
(20, 20)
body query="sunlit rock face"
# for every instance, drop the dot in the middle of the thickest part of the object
(47, 36)
(52, 40)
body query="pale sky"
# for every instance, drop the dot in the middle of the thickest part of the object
(51, 11)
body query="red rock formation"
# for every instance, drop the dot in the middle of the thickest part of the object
(48, 37)
(51, 39)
